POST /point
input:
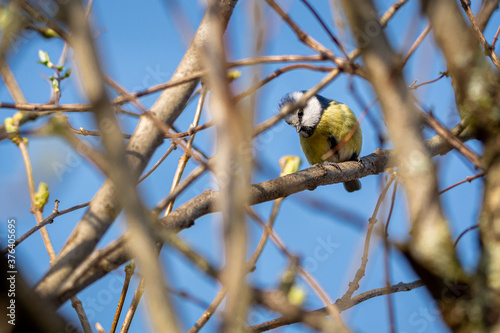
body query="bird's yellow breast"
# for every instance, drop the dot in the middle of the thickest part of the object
(337, 121)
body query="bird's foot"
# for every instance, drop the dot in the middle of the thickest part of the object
(360, 161)
(333, 164)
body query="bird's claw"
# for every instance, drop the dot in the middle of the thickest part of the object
(360, 161)
(333, 164)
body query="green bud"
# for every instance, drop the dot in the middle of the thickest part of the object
(18, 116)
(47, 32)
(55, 83)
(42, 196)
(44, 59)
(67, 74)
(289, 164)
(12, 128)
(130, 268)
(10, 125)
(233, 75)
(296, 295)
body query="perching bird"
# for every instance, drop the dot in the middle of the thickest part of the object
(322, 124)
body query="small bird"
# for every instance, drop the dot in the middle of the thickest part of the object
(321, 125)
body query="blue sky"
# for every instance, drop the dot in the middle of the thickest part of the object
(140, 47)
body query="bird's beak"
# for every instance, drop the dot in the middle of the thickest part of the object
(299, 128)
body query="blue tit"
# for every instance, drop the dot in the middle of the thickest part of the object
(321, 125)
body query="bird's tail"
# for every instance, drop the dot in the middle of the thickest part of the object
(352, 185)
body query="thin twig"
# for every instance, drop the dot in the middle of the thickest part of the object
(49, 219)
(207, 314)
(172, 147)
(187, 151)
(134, 304)
(129, 271)
(494, 43)
(195, 174)
(453, 140)
(468, 179)
(416, 44)
(387, 262)
(99, 328)
(303, 36)
(464, 232)
(84, 132)
(384, 20)
(36, 211)
(354, 285)
(38, 15)
(414, 87)
(331, 308)
(277, 73)
(488, 50)
(325, 27)
(82, 316)
(10, 81)
(191, 130)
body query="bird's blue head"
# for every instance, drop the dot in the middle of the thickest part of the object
(307, 118)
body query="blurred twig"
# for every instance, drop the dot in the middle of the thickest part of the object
(488, 50)
(416, 44)
(387, 262)
(354, 285)
(488, 7)
(325, 27)
(331, 308)
(232, 170)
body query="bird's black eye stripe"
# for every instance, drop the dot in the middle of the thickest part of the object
(300, 113)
